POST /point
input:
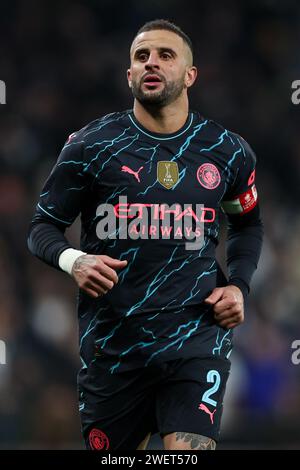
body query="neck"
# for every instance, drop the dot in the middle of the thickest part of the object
(165, 120)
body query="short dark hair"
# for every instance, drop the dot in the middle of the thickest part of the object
(167, 25)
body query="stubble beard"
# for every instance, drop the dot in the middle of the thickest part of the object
(157, 99)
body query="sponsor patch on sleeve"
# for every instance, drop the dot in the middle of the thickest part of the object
(243, 203)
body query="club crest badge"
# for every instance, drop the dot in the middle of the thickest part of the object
(98, 440)
(208, 176)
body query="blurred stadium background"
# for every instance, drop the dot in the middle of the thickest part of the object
(64, 65)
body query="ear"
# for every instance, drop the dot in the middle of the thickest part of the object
(129, 77)
(190, 76)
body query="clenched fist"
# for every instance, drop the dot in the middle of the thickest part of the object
(228, 305)
(96, 274)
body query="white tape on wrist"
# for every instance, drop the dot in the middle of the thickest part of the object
(68, 258)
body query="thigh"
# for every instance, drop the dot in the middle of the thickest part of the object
(190, 401)
(117, 410)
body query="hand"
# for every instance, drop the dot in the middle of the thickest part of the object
(228, 305)
(95, 274)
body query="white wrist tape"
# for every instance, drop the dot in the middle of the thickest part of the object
(68, 258)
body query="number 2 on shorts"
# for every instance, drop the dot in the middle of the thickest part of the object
(213, 376)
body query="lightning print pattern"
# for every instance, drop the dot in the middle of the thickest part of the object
(156, 311)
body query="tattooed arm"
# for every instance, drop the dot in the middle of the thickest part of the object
(95, 274)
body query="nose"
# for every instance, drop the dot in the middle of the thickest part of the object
(152, 61)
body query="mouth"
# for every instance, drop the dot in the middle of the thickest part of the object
(152, 80)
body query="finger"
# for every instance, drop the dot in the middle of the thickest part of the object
(113, 262)
(95, 287)
(106, 271)
(232, 325)
(226, 313)
(101, 281)
(91, 292)
(226, 324)
(214, 296)
(225, 304)
(233, 320)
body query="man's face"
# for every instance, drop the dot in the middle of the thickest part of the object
(161, 67)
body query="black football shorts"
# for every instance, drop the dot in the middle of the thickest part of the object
(184, 395)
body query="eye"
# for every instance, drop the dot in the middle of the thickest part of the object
(143, 56)
(166, 55)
